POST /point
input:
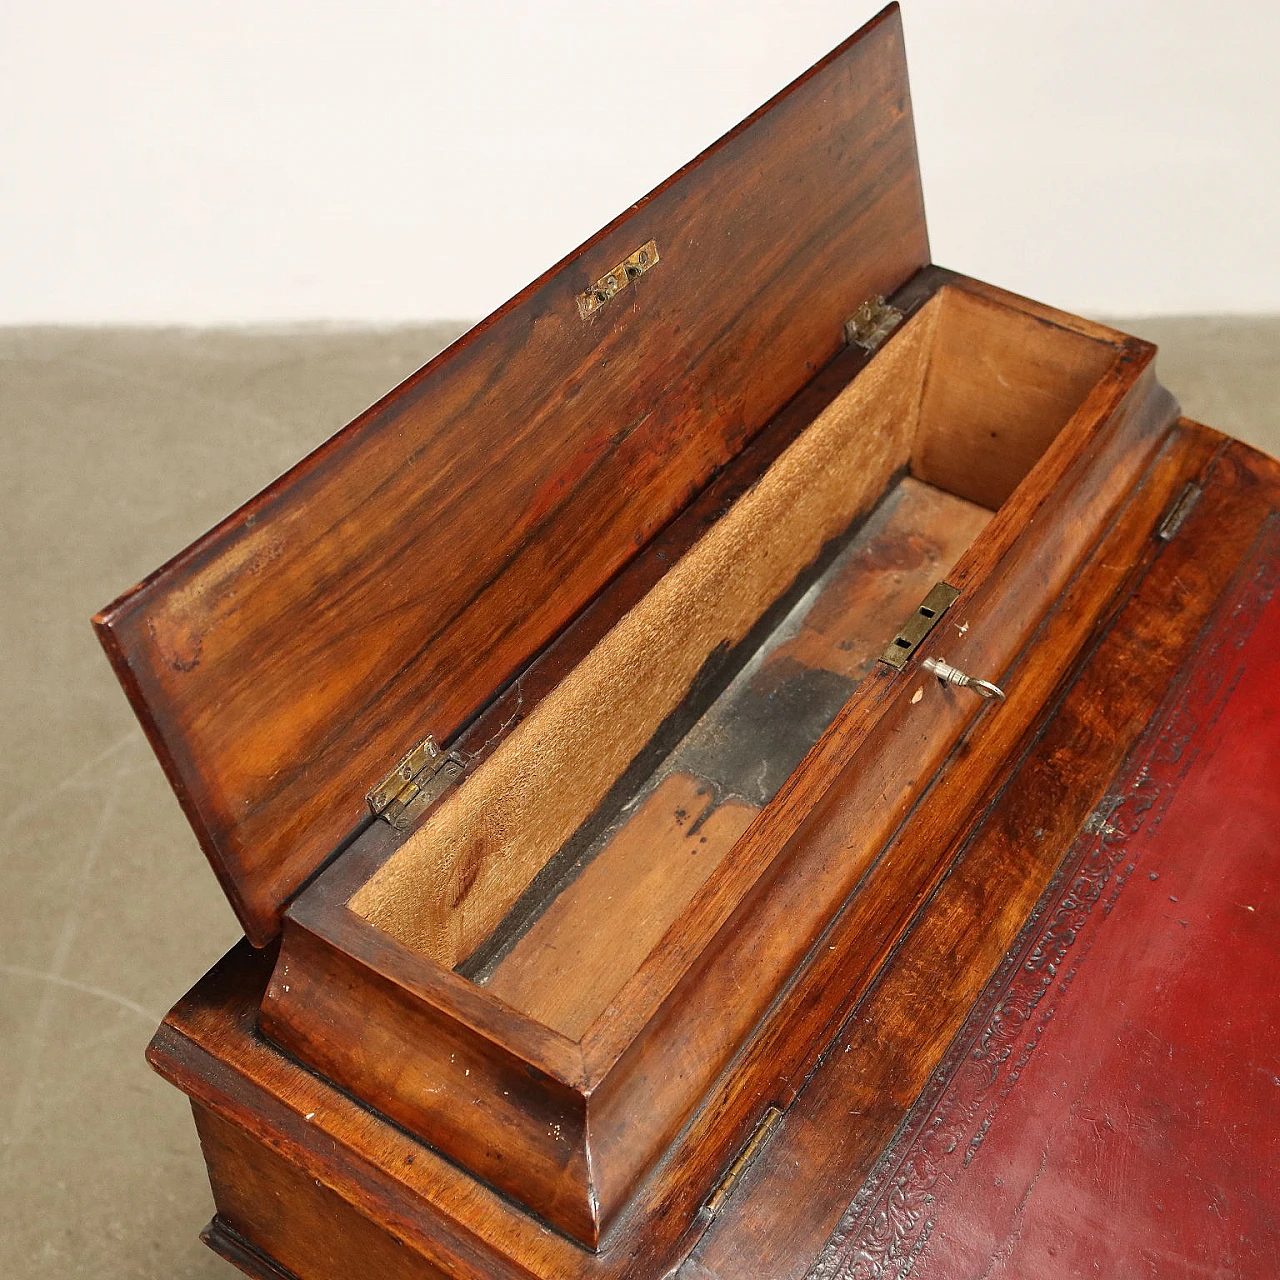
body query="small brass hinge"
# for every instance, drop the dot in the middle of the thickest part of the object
(613, 282)
(760, 1135)
(871, 324)
(424, 775)
(940, 598)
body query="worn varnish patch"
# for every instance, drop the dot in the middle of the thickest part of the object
(591, 939)
(593, 929)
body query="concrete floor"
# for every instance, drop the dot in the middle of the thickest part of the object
(118, 448)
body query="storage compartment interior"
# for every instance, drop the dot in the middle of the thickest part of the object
(554, 870)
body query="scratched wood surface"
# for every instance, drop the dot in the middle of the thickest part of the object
(388, 586)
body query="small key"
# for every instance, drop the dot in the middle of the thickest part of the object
(953, 675)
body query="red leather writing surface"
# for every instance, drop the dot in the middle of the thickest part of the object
(1115, 1110)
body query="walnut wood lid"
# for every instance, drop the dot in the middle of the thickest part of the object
(385, 587)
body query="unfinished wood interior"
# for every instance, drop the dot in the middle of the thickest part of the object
(553, 871)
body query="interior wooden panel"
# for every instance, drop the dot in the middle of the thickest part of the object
(595, 935)
(388, 585)
(458, 875)
(1001, 384)
(575, 958)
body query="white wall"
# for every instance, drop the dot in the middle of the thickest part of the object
(271, 160)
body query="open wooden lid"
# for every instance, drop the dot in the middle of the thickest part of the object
(385, 587)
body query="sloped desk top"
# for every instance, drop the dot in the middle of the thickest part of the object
(1093, 1091)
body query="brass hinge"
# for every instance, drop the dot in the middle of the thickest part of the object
(940, 598)
(760, 1135)
(424, 775)
(871, 324)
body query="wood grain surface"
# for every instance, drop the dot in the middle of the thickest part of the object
(389, 585)
(1002, 382)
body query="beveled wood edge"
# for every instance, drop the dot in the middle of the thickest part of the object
(935, 277)
(167, 752)
(230, 1245)
(344, 933)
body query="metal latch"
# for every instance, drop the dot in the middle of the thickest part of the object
(940, 598)
(424, 775)
(760, 1135)
(871, 324)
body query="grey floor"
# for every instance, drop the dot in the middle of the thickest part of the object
(118, 448)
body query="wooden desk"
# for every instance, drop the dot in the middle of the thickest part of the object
(1095, 1092)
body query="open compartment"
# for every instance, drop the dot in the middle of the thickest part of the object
(549, 877)
(645, 851)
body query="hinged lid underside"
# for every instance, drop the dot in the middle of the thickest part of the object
(389, 584)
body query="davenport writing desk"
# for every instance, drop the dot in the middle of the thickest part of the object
(703, 754)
